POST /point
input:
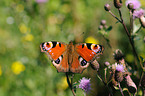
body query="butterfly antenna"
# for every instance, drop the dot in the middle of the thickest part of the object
(61, 28)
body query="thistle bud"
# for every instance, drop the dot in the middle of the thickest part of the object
(100, 27)
(130, 84)
(107, 7)
(107, 64)
(105, 26)
(142, 21)
(143, 81)
(130, 6)
(118, 55)
(95, 65)
(118, 3)
(103, 22)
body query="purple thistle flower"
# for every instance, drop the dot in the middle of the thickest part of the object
(138, 13)
(136, 3)
(85, 84)
(41, 1)
(120, 67)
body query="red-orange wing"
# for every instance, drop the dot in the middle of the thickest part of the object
(83, 54)
(88, 50)
(56, 51)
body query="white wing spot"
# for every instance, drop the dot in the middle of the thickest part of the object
(93, 53)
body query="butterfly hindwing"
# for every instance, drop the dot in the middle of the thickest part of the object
(56, 51)
(78, 64)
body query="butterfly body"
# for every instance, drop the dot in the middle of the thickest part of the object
(70, 57)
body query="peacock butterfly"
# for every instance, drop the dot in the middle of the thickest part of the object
(69, 57)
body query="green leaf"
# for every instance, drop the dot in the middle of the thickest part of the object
(75, 89)
(142, 59)
(116, 87)
(117, 22)
(99, 77)
(125, 89)
(75, 86)
(109, 29)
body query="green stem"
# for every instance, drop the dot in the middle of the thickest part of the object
(127, 32)
(120, 89)
(131, 21)
(129, 36)
(115, 16)
(139, 29)
(70, 84)
(105, 83)
(143, 94)
(140, 82)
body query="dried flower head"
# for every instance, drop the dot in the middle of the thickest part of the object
(136, 3)
(95, 65)
(85, 84)
(130, 85)
(118, 55)
(118, 76)
(118, 3)
(119, 72)
(142, 21)
(138, 13)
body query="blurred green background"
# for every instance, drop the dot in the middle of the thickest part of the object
(25, 24)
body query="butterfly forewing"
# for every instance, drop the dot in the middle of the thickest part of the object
(88, 50)
(56, 51)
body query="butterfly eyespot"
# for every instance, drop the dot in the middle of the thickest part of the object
(100, 49)
(95, 47)
(58, 60)
(47, 43)
(42, 45)
(82, 61)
